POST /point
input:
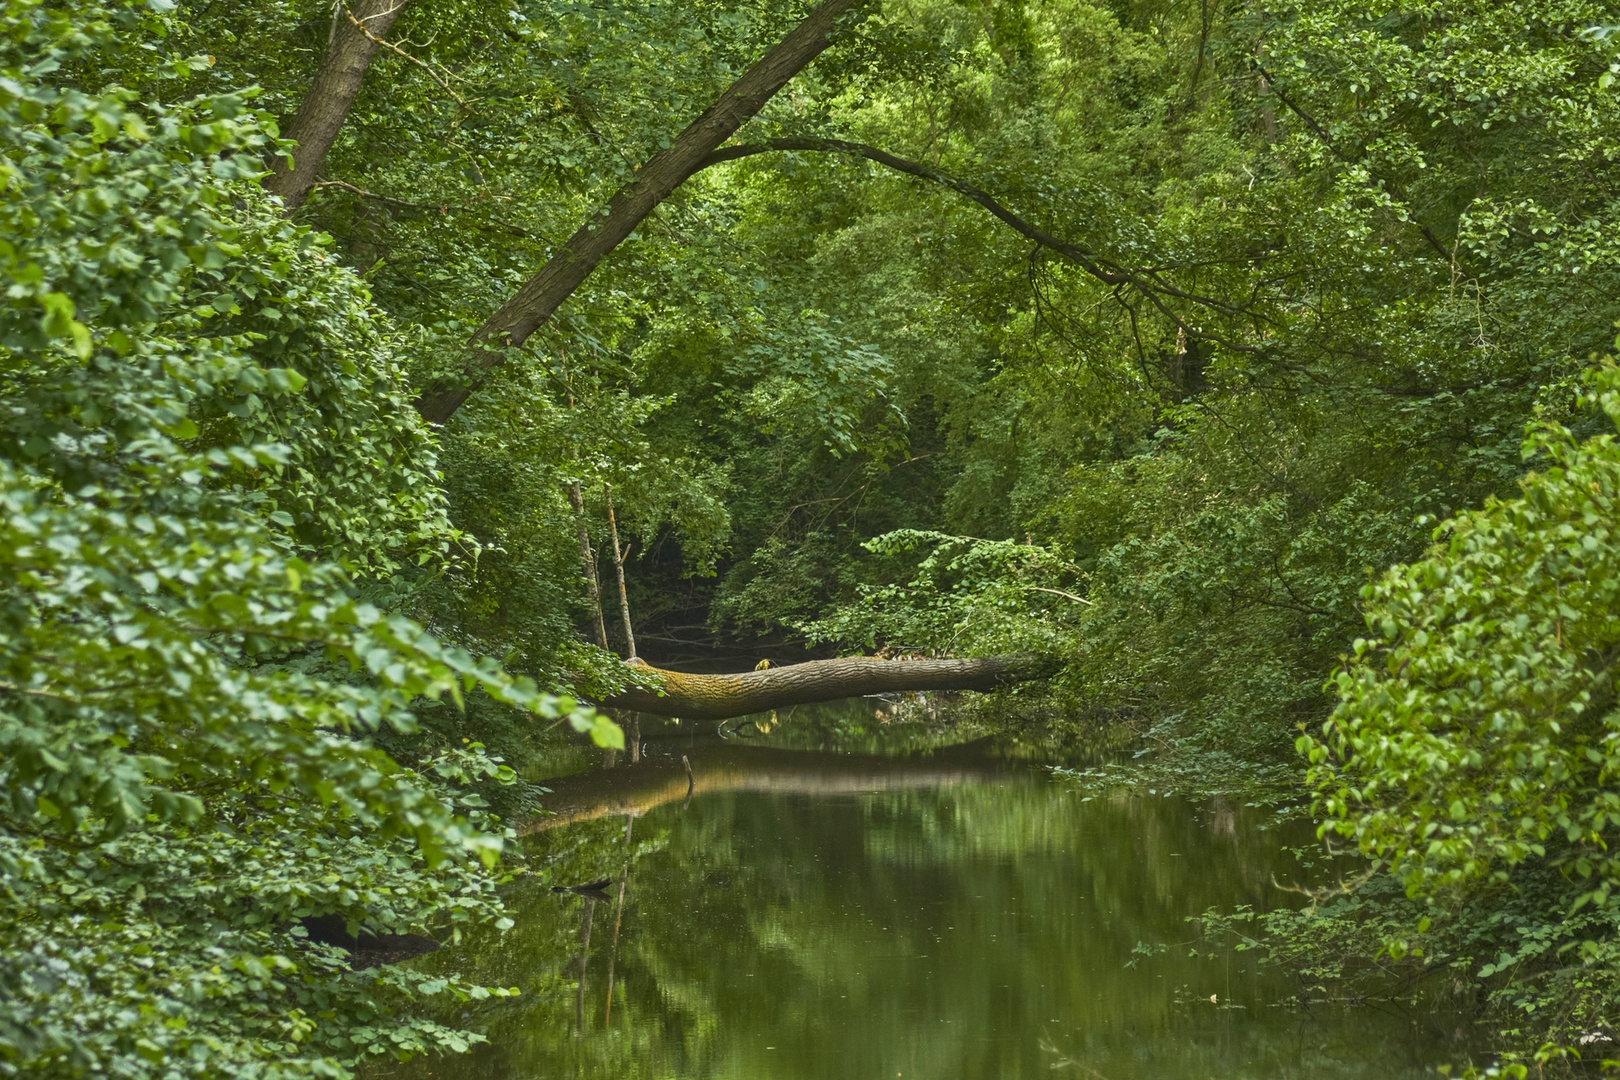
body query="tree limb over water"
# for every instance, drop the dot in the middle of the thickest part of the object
(720, 697)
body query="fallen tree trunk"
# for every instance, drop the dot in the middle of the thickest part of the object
(718, 697)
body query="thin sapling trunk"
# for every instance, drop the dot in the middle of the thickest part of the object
(587, 558)
(618, 566)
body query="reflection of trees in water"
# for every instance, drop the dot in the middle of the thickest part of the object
(1039, 898)
(846, 931)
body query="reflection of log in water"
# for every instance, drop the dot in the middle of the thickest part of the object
(720, 767)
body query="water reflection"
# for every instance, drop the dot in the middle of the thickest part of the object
(676, 771)
(954, 914)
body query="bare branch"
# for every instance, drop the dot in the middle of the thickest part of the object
(397, 51)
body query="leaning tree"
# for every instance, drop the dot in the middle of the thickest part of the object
(358, 33)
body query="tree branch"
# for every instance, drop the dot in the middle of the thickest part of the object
(1327, 140)
(379, 40)
(1145, 282)
(492, 224)
(657, 179)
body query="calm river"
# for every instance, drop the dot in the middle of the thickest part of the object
(831, 904)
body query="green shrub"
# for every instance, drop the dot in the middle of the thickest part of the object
(205, 440)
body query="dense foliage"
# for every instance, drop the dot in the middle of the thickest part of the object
(1309, 271)
(207, 455)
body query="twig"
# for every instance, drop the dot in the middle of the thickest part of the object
(385, 43)
(1059, 592)
(441, 208)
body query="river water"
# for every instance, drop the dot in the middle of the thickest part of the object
(834, 901)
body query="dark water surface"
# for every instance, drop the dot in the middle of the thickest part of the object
(951, 913)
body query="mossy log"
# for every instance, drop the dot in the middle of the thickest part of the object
(719, 697)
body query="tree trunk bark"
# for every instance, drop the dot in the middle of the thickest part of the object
(593, 588)
(719, 697)
(656, 180)
(357, 30)
(618, 566)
